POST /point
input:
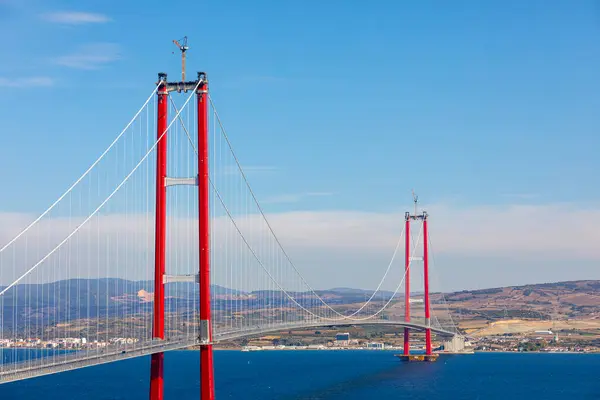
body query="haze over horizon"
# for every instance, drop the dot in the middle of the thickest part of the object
(489, 111)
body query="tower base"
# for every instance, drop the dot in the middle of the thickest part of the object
(418, 357)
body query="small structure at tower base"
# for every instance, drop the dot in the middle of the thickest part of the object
(455, 345)
(418, 357)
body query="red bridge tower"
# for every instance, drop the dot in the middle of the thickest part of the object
(408, 217)
(200, 85)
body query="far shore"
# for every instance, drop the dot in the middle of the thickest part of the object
(395, 350)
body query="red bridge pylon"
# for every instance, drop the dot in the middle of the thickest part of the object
(162, 182)
(417, 217)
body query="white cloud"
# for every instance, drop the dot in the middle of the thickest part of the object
(91, 56)
(32, 81)
(76, 18)
(482, 246)
(557, 230)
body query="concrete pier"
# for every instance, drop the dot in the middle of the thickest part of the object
(418, 357)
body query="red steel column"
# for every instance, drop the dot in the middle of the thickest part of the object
(158, 327)
(426, 282)
(207, 379)
(407, 284)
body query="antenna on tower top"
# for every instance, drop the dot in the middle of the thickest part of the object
(183, 47)
(415, 200)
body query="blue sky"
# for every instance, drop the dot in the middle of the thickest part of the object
(343, 106)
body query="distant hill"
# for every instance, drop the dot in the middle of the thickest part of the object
(112, 296)
(344, 290)
(353, 292)
(558, 300)
(102, 288)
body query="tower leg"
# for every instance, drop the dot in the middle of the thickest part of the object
(407, 284)
(156, 376)
(207, 380)
(158, 327)
(428, 349)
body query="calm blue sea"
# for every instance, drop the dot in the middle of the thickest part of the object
(339, 375)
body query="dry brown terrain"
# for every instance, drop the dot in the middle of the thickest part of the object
(519, 309)
(571, 309)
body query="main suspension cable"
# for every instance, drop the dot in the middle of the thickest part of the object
(65, 240)
(82, 176)
(279, 244)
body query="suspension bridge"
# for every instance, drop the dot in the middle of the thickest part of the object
(162, 244)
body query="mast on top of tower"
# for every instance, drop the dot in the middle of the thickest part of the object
(183, 47)
(415, 200)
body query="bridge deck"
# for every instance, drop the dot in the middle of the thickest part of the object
(75, 360)
(258, 330)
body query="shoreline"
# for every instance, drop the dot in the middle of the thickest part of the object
(335, 349)
(395, 350)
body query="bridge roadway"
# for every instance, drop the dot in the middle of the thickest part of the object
(259, 330)
(71, 361)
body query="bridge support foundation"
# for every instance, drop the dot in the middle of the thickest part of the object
(418, 357)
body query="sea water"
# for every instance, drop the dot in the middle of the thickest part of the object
(347, 375)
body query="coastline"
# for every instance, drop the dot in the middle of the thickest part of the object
(395, 350)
